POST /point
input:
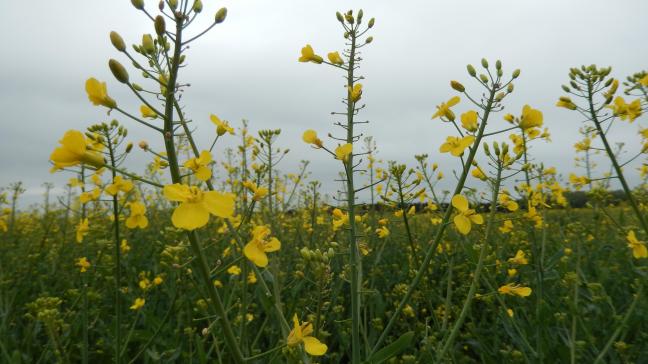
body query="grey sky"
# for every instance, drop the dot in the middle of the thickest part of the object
(247, 68)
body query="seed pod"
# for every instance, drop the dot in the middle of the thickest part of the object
(118, 71)
(457, 86)
(117, 41)
(138, 4)
(221, 14)
(471, 70)
(160, 25)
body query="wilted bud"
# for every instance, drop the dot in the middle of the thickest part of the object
(457, 86)
(498, 64)
(516, 73)
(339, 17)
(143, 144)
(483, 78)
(117, 41)
(197, 6)
(160, 25)
(484, 63)
(129, 147)
(138, 4)
(221, 14)
(147, 44)
(471, 70)
(118, 71)
(371, 23)
(369, 40)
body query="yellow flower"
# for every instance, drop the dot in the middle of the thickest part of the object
(124, 247)
(625, 111)
(356, 92)
(638, 247)
(310, 137)
(234, 270)
(200, 165)
(256, 249)
(137, 218)
(222, 127)
(515, 290)
(139, 303)
(82, 230)
(308, 55)
(147, 112)
(259, 192)
(583, 145)
(644, 81)
(566, 102)
(98, 94)
(466, 216)
(251, 278)
(93, 195)
(196, 205)
(456, 145)
(334, 57)
(343, 152)
(519, 258)
(74, 150)
(119, 184)
(506, 227)
(479, 174)
(158, 280)
(302, 334)
(469, 120)
(531, 118)
(83, 264)
(443, 110)
(506, 201)
(511, 272)
(382, 232)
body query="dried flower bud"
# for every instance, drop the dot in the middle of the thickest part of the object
(117, 41)
(118, 71)
(221, 14)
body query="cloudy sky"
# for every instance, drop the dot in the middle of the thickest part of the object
(246, 68)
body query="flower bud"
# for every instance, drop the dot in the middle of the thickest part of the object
(197, 6)
(486, 149)
(221, 14)
(147, 44)
(339, 17)
(565, 88)
(173, 4)
(496, 148)
(161, 5)
(118, 71)
(509, 88)
(500, 96)
(129, 147)
(484, 63)
(117, 41)
(138, 4)
(500, 73)
(457, 86)
(483, 78)
(371, 23)
(498, 64)
(471, 70)
(516, 73)
(369, 40)
(160, 25)
(360, 14)
(143, 144)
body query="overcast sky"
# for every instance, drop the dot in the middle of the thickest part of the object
(247, 68)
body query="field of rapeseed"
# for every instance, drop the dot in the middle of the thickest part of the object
(198, 259)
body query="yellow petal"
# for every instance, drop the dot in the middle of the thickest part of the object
(255, 254)
(219, 204)
(477, 219)
(176, 192)
(272, 245)
(463, 224)
(460, 202)
(190, 216)
(314, 346)
(203, 173)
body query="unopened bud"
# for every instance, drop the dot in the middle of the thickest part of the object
(129, 147)
(173, 4)
(143, 144)
(371, 23)
(565, 88)
(498, 64)
(509, 88)
(197, 6)
(147, 44)
(483, 78)
(160, 25)
(369, 40)
(457, 86)
(117, 41)
(516, 73)
(471, 70)
(484, 63)
(360, 14)
(487, 150)
(221, 14)
(118, 71)
(138, 4)
(339, 16)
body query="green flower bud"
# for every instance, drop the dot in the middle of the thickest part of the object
(161, 5)
(369, 40)
(197, 6)
(457, 86)
(516, 73)
(496, 148)
(498, 64)
(160, 25)
(471, 70)
(147, 44)
(565, 88)
(486, 150)
(359, 17)
(483, 78)
(500, 96)
(137, 87)
(500, 73)
(221, 14)
(339, 17)
(117, 41)
(509, 88)
(138, 4)
(118, 71)
(129, 147)
(484, 63)
(371, 23)
(173, 4)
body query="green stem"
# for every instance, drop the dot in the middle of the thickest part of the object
(117, 252)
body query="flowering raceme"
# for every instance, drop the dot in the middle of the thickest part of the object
(531, 118)
(74, 150)
(626, 111)
(196, 205)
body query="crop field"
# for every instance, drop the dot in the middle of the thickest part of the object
(212, 256)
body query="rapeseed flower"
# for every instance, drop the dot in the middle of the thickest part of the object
(515, 290)
(519, 258)
(222, 126)
(301, 333)
(196, 205)
(443, 110)
(334, 57)
(137, 217)
(74, 150)
(466, 216)
(343, 152)
(200, 165)
(82, 230)
(310, 137)
(119, 184)
(255, 250)
(456, 145)
(638, 247)
(308, 55)
(138, 304)
(83, 264)
(98, 94)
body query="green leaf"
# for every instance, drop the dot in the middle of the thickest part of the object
(392, 349)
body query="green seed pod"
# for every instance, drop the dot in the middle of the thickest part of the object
(369, 40)
(221, 14)
(498, 64)
(457, 86)
(117, 41)
(147, 44)
(483, 78)
(516, 73)
(138, 4)
(160, 25)
(339, 17)
(197, 6)
(471, 70)
(118, 71)
(371, 23)
(484, 63)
